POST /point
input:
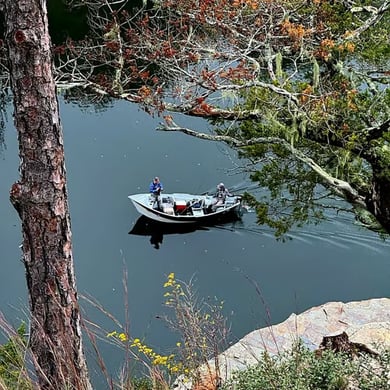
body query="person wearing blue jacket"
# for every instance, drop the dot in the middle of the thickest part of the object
(156, 187)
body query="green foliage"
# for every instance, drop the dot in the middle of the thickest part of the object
(374, 375)
(331, 130)
(142, 384)
(301, 369)
(289, 193)
(146, 384)
(12, 362)
(201, 327)
(373, 45)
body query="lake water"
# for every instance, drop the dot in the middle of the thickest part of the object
(117, 152)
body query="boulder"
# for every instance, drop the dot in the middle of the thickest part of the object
(365, 322)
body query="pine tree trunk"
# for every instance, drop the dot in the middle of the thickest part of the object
(379, 198)
(40, 197)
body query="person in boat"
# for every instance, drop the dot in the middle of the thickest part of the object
(156, 187)
(220, 196)
(155, 190)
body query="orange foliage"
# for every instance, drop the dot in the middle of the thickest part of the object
(328, 43)
(238, 73)
(209, 77)
(307, 91)
(325, 48)
(194, 57)
(112, 45)
(144, 75)
(144, 92)
(209, 382)
(167, 50)
(295, 31)
(168, 119)
(351, 99)
(347, 34)
(203, 109)
(253, 4)
(345, 128)
(350, 47)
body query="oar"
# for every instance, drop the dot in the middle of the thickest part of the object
(189, 206)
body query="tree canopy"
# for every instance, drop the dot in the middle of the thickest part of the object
(299, 88)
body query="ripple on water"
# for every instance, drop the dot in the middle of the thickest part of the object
(339, 231)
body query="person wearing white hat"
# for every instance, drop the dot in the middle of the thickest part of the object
(220, 196)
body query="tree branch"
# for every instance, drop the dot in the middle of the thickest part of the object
(378, 131)
(340, 187)
(377, 13)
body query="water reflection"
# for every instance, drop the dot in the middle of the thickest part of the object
(156, 230)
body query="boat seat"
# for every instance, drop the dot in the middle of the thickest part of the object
(196, 211)
(230, 200)
(197, 207)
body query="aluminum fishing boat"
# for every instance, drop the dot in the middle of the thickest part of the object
(186, 208)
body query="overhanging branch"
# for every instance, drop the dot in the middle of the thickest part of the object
(377, 13)
(378, 131)
(340, 187)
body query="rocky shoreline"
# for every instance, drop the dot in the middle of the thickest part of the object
(365, 322)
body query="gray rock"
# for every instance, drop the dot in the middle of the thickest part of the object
(366, 322)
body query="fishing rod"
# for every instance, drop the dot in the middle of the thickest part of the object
(234, 189)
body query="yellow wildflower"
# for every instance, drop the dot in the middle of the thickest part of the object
(122, 337)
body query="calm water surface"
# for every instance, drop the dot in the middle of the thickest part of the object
(117, 152)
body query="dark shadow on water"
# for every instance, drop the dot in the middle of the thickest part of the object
(156, 230)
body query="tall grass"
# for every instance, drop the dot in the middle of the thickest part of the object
(194, 362)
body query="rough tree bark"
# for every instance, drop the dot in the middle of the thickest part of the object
(378, 201)
(40, 198)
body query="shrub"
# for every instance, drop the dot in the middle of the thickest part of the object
(12, 364)
(373, 374)
(202, 332)
(298, 369)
